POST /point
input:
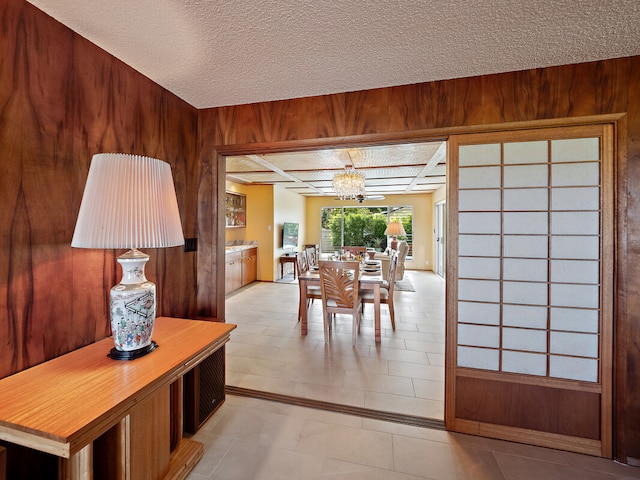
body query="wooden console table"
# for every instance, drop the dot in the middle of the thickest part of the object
(288, 259)
(122, 419)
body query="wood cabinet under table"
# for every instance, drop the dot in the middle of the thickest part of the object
(107, 418)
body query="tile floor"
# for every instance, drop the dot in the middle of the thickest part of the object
(249, 438)
(403, 374)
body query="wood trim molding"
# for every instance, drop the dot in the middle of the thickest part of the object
(430, 134)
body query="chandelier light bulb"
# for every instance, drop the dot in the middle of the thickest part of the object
(349, 184)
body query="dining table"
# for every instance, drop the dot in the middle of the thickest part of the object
(367, 281)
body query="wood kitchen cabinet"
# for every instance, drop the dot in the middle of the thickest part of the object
(249, 266)
(233, 271)
(241, 268)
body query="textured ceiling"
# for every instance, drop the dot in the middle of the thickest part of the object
(388, 169)
(215, 53)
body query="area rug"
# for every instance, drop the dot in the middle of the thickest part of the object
(287, 279)
(404, 285)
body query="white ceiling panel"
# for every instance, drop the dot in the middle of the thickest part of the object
(390, 169)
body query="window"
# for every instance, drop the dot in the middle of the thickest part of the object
(358, 226)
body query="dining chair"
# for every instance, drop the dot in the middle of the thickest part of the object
(303, 263)
(313, 291)
(339, 287)
(386, 291)
(311, 256)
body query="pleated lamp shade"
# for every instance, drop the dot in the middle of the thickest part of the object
(129, 201)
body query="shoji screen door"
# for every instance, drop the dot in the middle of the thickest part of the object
(529, 287)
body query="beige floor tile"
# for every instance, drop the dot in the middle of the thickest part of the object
(410, 405)
(430, 347)
(379, 383)
(414, 370)
(441, 461)
(252, 439)
(341, 395)
(429, 389)
(267, 368)
(354, 445)
(269, 345)
(260, 383)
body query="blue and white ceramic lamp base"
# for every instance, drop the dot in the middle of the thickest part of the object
(133, 308)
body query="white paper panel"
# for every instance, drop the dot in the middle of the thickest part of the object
(488, 154)
(524, 316)
(524, 339)
(567, 295)
(479, 290)
(479, 245)
(526, 223)
(526, 176)
(473, 267)
(578, 247)
(483, 358)
(575, 150)
(526, 199)
(572, 368)
(478, 335)
(479, 200)
(575, 174)
(525, 363)
(475, 312)
(479, 223)
(575, 223)
(526, 246)
(575, 271)
(525, 293)
(479, 177)
(574, 319)
(528, 270)
(575, 344)
(575, 198)
(526, 152)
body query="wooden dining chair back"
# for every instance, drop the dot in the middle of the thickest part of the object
(339, 285)
(386, 291)
(313, 291)
(303, 264)
(311, 256)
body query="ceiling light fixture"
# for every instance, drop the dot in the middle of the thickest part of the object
(349, 184)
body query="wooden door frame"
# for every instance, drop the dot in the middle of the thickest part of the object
(619, 121)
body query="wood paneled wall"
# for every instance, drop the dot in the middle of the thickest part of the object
(62, 99)
(433, 110)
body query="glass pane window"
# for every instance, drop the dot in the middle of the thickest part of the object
(363, 226)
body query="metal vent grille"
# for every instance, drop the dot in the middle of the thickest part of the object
(211, 373)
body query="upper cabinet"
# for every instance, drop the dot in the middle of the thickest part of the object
(236, 210)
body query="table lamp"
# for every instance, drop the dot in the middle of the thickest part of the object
(395, 228)
(129, 201)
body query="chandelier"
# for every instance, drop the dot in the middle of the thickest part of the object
(348, 184)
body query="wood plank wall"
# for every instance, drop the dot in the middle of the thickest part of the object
(437, 108)
(62, 99)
